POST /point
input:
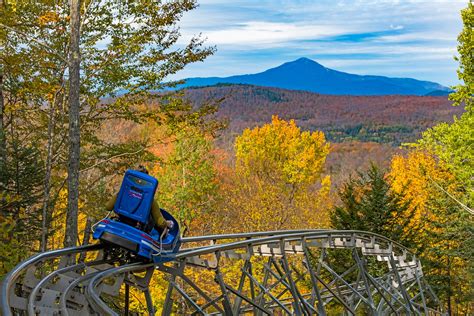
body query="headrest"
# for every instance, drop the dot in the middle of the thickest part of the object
(136, 195)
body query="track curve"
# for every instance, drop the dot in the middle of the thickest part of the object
(287, 272)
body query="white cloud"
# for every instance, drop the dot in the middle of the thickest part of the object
(434, 36)
(263, 33)
(396, 27)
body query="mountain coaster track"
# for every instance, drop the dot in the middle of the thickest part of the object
(301, 272)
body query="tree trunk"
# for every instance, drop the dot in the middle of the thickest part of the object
(16, 160)
(3, 142)
(3, 146)
(74, 126)
(47, 176)
(450, 292)
(87, 237)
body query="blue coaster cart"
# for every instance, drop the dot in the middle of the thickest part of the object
(132, 227)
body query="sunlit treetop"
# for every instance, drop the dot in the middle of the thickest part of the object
(281, 151)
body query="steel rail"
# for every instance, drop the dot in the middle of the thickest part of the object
(63, 298)
(44, 281)
(287, 236)
(10, 279)
(13, 275)
(95, 298)
(82, 266)
(94, 282)
(249, 235)
(230, 242)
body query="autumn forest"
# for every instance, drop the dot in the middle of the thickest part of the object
(228, 158)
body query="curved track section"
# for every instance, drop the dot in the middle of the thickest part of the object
(285, 272)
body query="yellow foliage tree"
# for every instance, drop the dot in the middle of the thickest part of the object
(275, 183)
(441, 225)
(414, 175)
(282, 152)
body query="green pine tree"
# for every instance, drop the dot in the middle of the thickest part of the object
(368, 204)
(446, 261)
(21, 178)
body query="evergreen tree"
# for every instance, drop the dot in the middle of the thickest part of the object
(447, 258)
(368, 204)
(20, 196)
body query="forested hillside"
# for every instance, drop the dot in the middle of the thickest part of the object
(382, 119)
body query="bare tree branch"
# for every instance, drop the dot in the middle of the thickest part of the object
(113, 157)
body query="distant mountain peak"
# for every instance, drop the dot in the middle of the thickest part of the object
(304, 62)
(308, 75)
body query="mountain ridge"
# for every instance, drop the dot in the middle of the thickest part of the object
(308, 75)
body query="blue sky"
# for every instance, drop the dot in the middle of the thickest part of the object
(404, 38)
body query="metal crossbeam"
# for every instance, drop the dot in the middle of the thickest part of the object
(282, 272)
